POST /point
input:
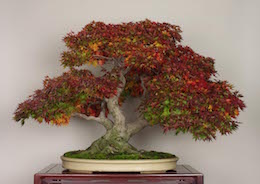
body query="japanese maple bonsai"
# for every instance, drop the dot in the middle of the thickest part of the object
(177, 87)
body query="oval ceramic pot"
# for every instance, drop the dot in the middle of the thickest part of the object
(143, 166)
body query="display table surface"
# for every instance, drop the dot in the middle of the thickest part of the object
(55, 174)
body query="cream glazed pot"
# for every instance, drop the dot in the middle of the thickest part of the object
(142, 165)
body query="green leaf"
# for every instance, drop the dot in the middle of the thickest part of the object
(177, 111)
(166, 111)
(178, 130)
(166, 102)
(22, 122)
(203, 136)
(147, 116)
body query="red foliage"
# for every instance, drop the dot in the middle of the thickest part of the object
(74, 91)
(181, 92)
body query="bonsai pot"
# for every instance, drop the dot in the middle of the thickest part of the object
(85, 161)
(142, 165)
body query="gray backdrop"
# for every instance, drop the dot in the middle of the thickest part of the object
(30, 46)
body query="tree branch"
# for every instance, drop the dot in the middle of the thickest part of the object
(123, 81)
(103, 57)
(107, 123)
(140, 123)
(119, 118)
(144, 88)
(137, 126)
(113, 106)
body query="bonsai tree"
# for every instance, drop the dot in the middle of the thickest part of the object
(178, 87)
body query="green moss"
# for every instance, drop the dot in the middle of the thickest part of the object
(120, 156)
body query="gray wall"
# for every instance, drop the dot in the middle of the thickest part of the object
(30, 46)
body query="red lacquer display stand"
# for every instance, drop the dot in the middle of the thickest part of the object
(55, 174)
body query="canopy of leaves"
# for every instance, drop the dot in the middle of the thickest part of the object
(74, 91)
(180, 90)
(194, 105)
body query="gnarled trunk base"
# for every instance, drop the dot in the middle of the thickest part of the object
(112, 142)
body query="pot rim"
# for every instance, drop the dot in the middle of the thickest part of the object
(174, 159)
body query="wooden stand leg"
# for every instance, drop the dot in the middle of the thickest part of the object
(37, 179)
(200, 180)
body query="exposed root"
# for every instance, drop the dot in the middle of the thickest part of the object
(112, 143)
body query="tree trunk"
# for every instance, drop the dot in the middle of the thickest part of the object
(118, 132)
(114, 141)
